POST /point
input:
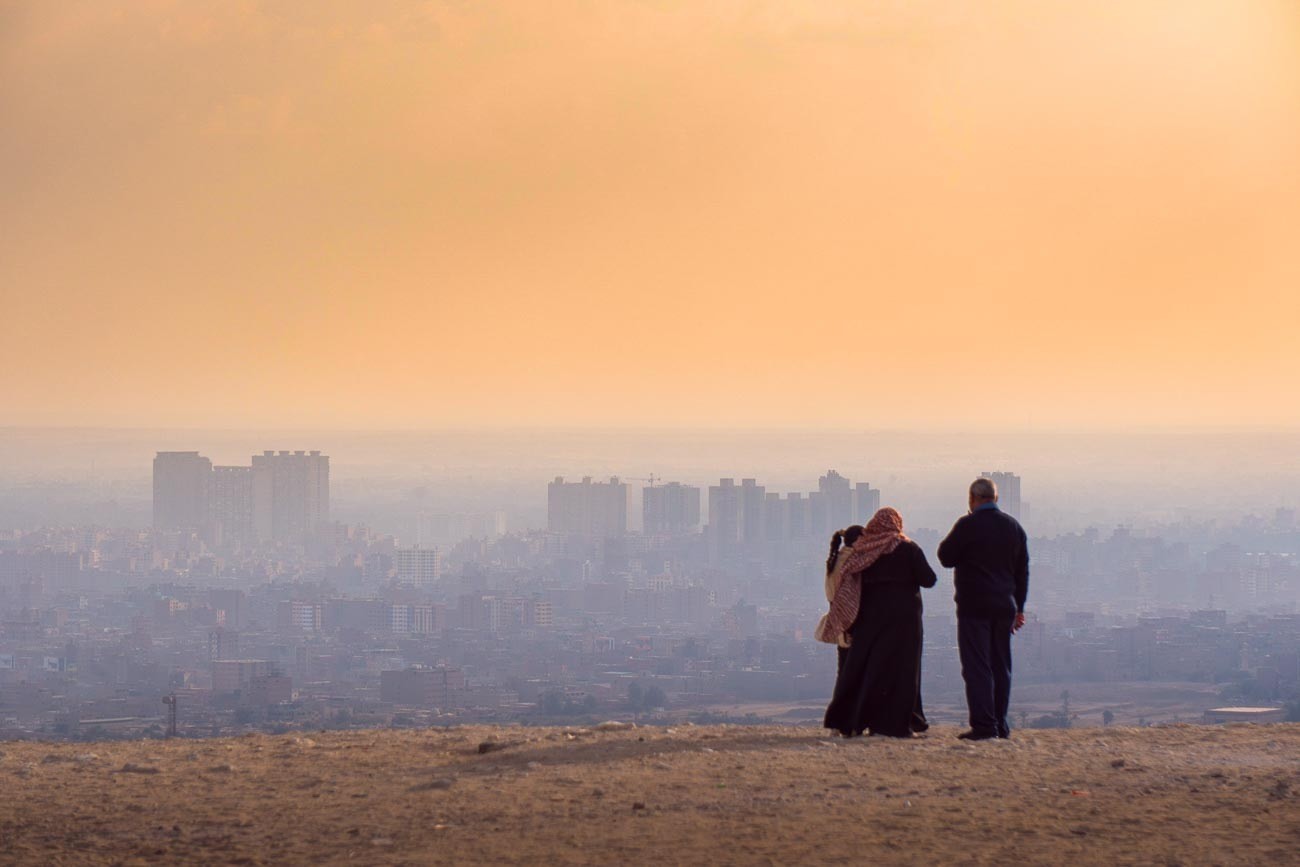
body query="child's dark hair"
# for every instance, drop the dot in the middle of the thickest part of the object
(847, 536)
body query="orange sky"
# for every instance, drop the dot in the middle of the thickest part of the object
(447, 213)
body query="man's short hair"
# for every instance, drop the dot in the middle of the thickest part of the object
(984, 489)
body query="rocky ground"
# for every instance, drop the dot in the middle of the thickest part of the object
(685, 795)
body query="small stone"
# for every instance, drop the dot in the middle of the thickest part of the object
(638, 805)
(490, 747)
(131, 768)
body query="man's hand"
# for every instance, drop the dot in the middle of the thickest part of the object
(1018, 622)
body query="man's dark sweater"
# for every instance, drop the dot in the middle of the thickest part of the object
(990, 552)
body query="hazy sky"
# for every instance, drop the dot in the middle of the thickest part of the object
(640, 211)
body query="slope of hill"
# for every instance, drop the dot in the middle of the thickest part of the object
(724, 794)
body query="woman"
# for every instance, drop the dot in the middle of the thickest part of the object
(877, 608)
(835, 576)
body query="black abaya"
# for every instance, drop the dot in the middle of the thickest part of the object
(878, 688)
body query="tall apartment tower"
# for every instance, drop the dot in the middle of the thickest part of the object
(180, 490)
(724, 512)
(230, 506)
(866, 502)
(797, 517)
(291, 495)
(673, 509)
(419, 567)
(737, 515)
(1008, 492)
(587, 507)
(753, 510)
(837, 496)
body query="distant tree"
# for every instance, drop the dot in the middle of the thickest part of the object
(1107, 717)
(635, 695)
(553, 702)
(654, 697)
(589, 703)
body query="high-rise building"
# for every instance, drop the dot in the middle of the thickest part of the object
(180, 490)
(837, 496)
(723, 530)
(866, 502)
(753, 497)
(291, 495)
(796, 516)
(230, 606)
(776, 524)
(1008, 492)
(230, 505)
(587, 507)
(737, 517)
(818, 517)
(419, 567)
(673, 508)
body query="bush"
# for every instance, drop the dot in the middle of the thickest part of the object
(1293, 710)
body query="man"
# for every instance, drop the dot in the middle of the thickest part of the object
(990, 554)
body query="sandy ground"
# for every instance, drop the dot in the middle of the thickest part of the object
(1131, 703)
(687, 795)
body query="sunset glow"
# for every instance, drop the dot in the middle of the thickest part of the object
(638, 213)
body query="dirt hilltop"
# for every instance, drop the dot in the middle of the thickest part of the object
(684, 795)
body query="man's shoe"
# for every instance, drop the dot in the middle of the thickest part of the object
(973, 735)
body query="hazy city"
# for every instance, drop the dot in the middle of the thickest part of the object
(714, 432)
(433, 583)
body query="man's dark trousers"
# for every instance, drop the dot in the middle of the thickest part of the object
(985, 647)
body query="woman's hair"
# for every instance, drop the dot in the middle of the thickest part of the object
(847, 536)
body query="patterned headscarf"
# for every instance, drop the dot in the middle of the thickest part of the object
(883, 533)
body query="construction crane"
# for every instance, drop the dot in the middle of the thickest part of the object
(652, 478)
